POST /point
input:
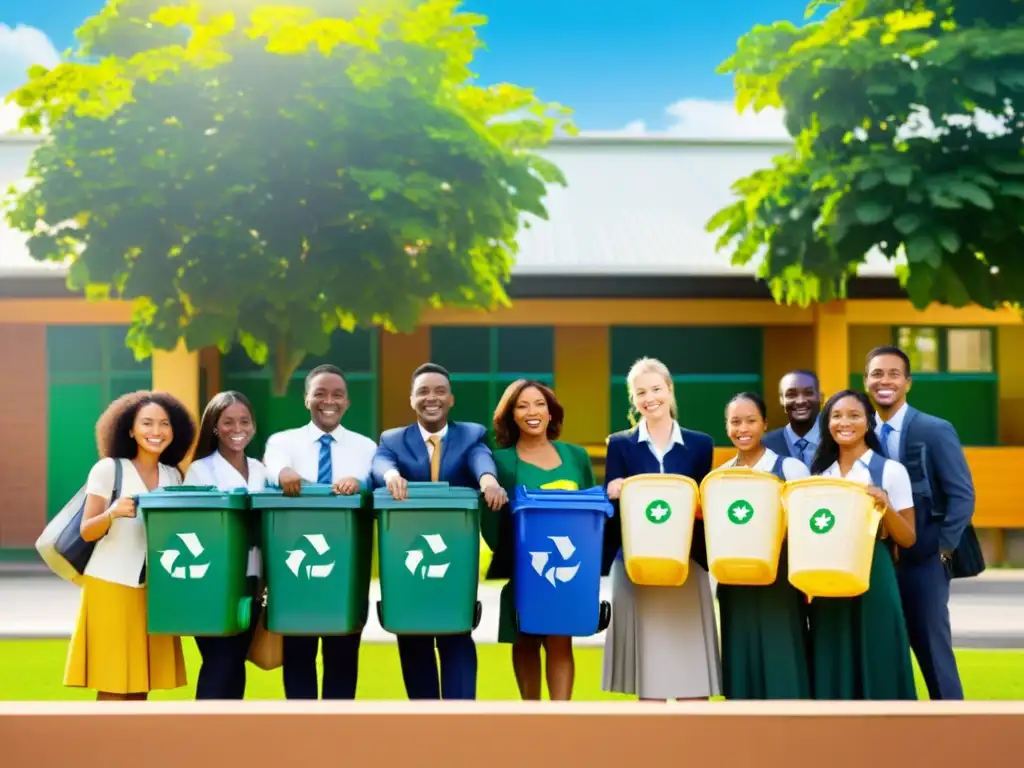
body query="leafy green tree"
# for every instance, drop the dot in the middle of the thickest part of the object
(269, 176)
(908, 127)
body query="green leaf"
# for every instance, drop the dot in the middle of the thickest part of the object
(907, 223)
(949, 240)
(923, 248)
(872, 212)
(870, 180)
(1012, 189)
(972, 193)
(981, 82)
(1013, 166)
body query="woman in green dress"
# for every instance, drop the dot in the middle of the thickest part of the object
(764, 629)
(859, 645)
(527, 423)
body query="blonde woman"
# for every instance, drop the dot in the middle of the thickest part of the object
(662, 643)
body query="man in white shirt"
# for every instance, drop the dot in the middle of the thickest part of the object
(326, 453)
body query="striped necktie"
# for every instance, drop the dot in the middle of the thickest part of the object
(325, 472)
(887, 430)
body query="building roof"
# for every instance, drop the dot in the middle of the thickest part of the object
(634, 206)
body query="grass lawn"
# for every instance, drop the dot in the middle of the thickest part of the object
(33, 669)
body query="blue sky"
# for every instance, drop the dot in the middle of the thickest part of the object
(615, 64)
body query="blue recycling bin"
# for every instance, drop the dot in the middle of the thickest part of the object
(559, 539)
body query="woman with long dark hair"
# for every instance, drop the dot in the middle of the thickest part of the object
(859, 646)
(111, 651)
(527, 424)
(225, 431)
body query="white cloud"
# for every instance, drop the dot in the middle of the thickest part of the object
(707, 119)
(20, 48)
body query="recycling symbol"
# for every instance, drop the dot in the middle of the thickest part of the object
(414, 558)
(195, 548)
(297, 556)
(740, 512)
(823, 521)
(562, 573)
(658, 511)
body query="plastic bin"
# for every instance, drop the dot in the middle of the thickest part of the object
(744, 525)
(317, 548)
(558, 545)
(429, 555)
(833, 525)
(657, 514)
(197, 552)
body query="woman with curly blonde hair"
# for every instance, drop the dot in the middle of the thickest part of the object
(111, 651)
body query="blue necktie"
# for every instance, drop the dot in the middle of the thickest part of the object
(886, 431)
(801, 445)
(326, 471)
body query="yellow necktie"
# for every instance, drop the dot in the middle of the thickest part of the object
(435, 458)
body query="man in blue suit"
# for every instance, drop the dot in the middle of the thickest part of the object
(943, 506)
(800, 395)
(435, 450)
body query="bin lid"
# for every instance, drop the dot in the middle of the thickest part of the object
(589, 500)
(312, 496)
(188, 498)
(430, 496)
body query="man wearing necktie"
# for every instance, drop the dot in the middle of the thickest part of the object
(800, 396)
(436, 450)
(943, 491)
(326, 453)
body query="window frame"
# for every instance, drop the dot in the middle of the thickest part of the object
(943, 339)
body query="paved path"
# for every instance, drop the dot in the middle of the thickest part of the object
(987, 612)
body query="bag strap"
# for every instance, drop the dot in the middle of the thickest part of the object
(778, 469)
(118, 477)
(876, 468)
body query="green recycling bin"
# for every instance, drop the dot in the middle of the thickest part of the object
(317, 550)
(197, 553)
(429, 549)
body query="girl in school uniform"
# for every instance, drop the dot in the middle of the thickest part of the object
(111, 651)
(662, 642)
(764, 629)
(859, 646)
(226, 429)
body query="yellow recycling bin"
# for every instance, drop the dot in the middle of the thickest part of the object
(832, 524)
(744, 525)
(657, 514)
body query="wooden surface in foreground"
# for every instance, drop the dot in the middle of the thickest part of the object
(524, 735)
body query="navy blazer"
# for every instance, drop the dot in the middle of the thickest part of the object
(465, 456)
(775, 440)
(943, 492)
(627, 456)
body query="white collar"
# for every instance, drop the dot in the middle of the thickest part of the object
(765, 464)
(896, 422)
(813, 435)
(644, 436)
(865, 459)
(316, 433)
(427, 435)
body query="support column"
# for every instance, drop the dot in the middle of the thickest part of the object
(582, 365)
(177, 373)
(400, 355)
(831, 347)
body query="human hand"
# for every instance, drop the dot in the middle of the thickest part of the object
(346, 486)
(615, 488)
(290, 482)
(880, 497)
(397, 487)
(494, 494)
(123, 507)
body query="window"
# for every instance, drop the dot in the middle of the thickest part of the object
(709, 365)
(88, 366)
(954, 377)
(355, 353)
(484, 360)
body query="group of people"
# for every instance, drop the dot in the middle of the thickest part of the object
(663, 643)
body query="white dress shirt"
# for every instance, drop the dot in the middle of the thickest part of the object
(892, 445)
(299, 449)
(895, 480)
(643, 435)
(792, 469)
(426, 440)
(217, 471)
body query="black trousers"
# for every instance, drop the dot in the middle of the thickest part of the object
(222, 674)
(341, 666)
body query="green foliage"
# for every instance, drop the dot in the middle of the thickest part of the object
(268, 176)
(908, 127)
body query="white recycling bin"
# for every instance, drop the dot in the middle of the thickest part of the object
(832, 528)
(744, 525)
(657, 515)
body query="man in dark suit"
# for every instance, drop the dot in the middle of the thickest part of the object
(943, 506)
(800, 395)
(435, 450)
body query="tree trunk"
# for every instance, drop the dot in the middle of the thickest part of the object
(286, 361)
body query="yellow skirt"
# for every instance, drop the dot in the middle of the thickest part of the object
(111, 650)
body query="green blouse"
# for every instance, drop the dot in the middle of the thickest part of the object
(574, 473)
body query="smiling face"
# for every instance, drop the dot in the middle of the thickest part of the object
(652, 397)
(887, 382)
(327, 400)
(432, 399)
(800, 397)
(744, 424)
(531, 413)
(152, 429)
(234, 429)
(848, 422)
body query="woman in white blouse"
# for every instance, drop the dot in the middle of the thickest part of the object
(860, 647)
(111, 651)
(226, 429)
(764, 629)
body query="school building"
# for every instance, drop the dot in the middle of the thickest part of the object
(623, 269)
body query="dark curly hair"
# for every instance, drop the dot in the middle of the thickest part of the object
(506, 431)
(208, 443)
(828, 450)
(113, 438)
